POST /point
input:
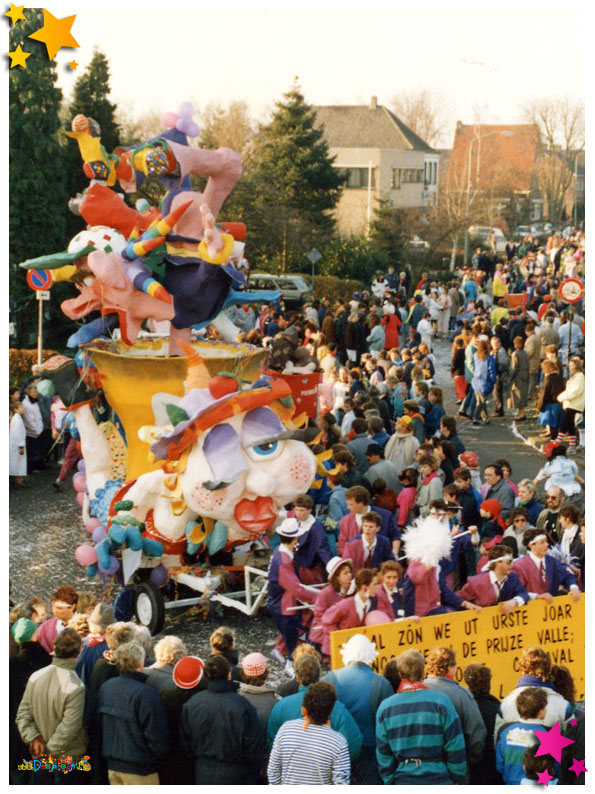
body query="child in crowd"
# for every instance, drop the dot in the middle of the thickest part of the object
(534, 765)
(406, 497)
(383, 496)
(515, 738)
(38, 610)
(17, 457)
(493, 525)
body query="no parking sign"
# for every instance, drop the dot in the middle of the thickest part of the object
(39, 279)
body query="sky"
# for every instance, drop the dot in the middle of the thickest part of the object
(471, 56)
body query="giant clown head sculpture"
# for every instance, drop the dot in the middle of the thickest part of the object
(230, 455)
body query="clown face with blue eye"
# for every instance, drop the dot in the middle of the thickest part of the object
(244, 470)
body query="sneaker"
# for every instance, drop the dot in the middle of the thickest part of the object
(288, 669)
(57, 485)
(475, 423)
(278, 657)
(571, 450)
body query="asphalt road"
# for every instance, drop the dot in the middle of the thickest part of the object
(45, 528)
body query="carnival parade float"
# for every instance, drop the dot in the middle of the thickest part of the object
(190, 448)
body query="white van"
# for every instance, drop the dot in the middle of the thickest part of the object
(295, 289)
(489, 236)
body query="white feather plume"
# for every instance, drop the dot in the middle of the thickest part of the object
(562, 556)
(428, 540)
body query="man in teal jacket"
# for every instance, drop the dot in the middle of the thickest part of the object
(362, 691)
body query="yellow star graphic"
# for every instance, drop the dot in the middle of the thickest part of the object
(55, 33)
(18, 57)
(15, 13)
(72, 65)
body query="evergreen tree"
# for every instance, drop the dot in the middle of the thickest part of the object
(38, 191)
(90, 98)
(291, 186)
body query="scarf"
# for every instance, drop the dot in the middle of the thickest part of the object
(95, 639)
(410, 686)
(429, 478)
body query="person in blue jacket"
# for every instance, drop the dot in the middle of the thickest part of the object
(484, 380)
(362, 691)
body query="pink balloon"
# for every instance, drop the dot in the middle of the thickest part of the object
(376, 616)
(91, 524)
(85, 555)
(169, 120)
(80, 498)
(79, 482)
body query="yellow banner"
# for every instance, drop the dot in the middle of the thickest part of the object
(487, 637)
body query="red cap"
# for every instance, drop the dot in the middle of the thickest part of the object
(469, 459)
(188, 672)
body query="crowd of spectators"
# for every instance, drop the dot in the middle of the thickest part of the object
(158, 714)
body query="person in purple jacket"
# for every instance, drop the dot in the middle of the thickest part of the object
(284, 590)
(541, 574)
(497, 584)
(313, 551)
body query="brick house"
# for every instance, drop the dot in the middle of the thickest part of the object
(498, 162)
(383, 159)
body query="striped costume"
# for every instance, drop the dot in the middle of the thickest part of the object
(315, 756)
(424, 727)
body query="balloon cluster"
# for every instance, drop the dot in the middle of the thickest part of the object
(182, 120)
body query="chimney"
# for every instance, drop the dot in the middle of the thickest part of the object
(374, 103)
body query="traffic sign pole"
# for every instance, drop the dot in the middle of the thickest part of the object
(40, 331)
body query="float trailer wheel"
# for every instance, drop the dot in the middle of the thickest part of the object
(149, 607)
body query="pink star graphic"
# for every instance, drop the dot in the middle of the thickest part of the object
(573, 722)
(544, 777)
(551, 742)
(577, 766)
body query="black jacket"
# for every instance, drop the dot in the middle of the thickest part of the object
(175, 769)
(553, 385)
(220, 731)
(134, 725)
(470, 515)
(484, 772)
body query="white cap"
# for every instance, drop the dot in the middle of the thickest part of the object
(334, 563)
(290, 528)
(359, 649)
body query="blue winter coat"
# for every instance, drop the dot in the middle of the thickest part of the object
(484, 375)
(134, 725)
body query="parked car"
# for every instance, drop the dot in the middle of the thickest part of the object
(488, 237)
(521, 232)
(418, 245)
(296, 290)
(541, 227)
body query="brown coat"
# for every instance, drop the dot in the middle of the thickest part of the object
(533, 351)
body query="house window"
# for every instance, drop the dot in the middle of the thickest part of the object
(434, 172)
(358, 177)
(395, 182)
(419, 175)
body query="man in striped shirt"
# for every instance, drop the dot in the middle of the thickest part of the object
(419, 738)
(308, 751)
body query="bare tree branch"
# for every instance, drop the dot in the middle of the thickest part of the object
(424, 111)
